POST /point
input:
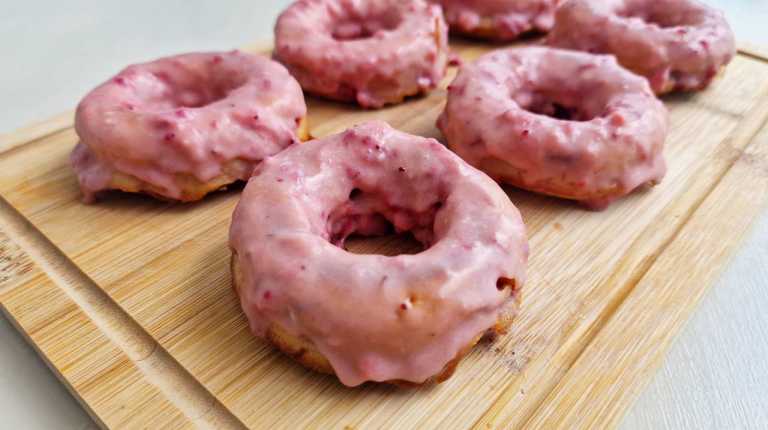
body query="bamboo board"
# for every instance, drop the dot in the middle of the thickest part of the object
(131, 306)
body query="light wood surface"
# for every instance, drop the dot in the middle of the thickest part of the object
(36, 131)
(691, 259)
(134, 309)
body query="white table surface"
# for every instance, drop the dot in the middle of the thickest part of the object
(716, 375)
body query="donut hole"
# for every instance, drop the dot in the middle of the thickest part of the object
(355, 194)
(366, 224)
(388, 245)
(188, 88)
(559, 111)
(202, 93)
(197, 97)
(652, 12)
(358, 25)
(556, 105)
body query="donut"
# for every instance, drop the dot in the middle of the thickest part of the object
(405, 319)
(180, 127)
(373, 52)
(500, 20)
(563, 123)
(678, 45)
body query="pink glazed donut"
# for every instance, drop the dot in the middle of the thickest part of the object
(679, 45)
(180, 127)
(374, 52)
(562, 123)
(402, 319)
(501, 20)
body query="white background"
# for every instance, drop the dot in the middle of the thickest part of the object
(52, 52)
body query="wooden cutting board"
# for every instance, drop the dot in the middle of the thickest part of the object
(130, 301)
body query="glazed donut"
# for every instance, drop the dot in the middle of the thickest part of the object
(562, 123)
(180, 127)
(679, 45)
(401, 319)
(500, 20)
(374, 52)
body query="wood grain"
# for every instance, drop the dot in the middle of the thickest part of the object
(36, 131)
(693, 259)
(94, 370)
(14, 265)
(759, 52)
(164, 268)
(180, 388)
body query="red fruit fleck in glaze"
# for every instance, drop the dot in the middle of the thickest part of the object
(267, 295)
(454, 59)
(120, 81)
(352, 173)
(162, 76)
(169, 137)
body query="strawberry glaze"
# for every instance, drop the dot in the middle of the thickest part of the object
(562, 123)
(374, 317)
(374, 52)
(678, 45)
(185, 115)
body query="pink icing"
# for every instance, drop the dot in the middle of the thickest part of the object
(563, 123)
(376, 318)
(508, 19)
(187, 114)
(372, 52)
(676, 44)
